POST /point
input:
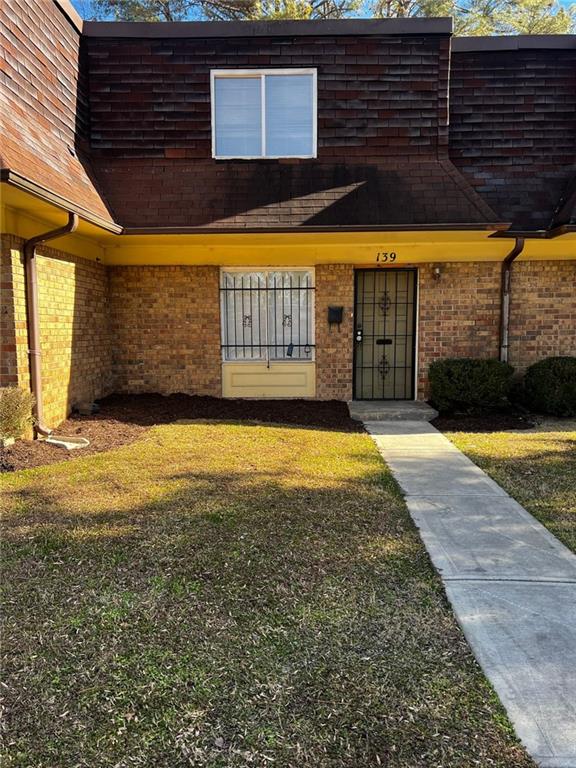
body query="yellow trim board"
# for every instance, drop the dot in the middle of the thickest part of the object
(25, 215)
(367, 249)
(281, 379)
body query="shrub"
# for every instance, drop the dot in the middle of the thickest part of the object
(550, 386)
(15, 411)
(464, 384)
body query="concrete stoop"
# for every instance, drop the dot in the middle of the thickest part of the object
(391, 410)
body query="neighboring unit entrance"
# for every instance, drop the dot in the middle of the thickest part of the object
(384, 334)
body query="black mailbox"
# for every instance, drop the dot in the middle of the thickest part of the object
(335, 315)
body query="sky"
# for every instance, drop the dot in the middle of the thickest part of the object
(84, 6)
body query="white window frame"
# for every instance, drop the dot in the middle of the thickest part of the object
(266, 359)
(261, 74)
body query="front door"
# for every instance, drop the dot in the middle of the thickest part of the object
(384, 334)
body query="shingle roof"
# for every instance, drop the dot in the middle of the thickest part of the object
(513, 125)
(120, 124)
(44, 105)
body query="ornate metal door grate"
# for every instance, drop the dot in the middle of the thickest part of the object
(385, 334)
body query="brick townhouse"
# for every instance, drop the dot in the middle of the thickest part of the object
(279, 209)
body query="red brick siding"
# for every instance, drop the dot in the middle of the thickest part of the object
(166, 329)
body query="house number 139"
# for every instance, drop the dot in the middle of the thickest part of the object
(384, 256)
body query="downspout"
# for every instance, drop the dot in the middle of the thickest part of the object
(505, 298)
(34, 352)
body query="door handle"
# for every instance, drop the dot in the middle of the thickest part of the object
(359, 335)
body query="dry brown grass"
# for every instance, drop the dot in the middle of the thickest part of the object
(225, 595)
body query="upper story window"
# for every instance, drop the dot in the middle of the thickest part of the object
(263, 113)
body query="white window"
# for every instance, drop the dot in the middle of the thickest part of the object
(263, 113)
(267, 314)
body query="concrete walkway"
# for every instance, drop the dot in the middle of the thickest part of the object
(512, 585)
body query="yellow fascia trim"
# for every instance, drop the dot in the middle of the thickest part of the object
(307, 248)
(562, 248)
(280, 379)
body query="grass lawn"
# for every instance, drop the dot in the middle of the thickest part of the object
(536, 467)
(232, 595)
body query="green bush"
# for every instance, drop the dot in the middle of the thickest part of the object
(550, 386)
(15, 411)
(465, 384)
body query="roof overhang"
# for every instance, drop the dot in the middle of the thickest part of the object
(20, 182)
(472, 227)
(71, 14)
(513, 43)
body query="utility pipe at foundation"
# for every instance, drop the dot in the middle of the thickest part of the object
(34, 352)
(505, 298)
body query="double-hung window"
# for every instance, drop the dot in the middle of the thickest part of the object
(263, 113)
(267, 314)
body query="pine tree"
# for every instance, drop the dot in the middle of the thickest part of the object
(488, 17)
(471, 17)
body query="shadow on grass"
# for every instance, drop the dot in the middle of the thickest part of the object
(273, 605)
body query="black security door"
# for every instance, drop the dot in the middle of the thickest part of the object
(384, 334)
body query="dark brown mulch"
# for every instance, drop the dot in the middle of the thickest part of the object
(492, 421)
(123, 418)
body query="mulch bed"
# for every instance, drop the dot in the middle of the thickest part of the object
(494, 421)
(122, 419)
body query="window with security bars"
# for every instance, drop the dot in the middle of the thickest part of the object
(267, 315)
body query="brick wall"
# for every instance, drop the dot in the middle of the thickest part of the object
(458, 314)
(166, 329)
(334, 287)
(157, 329)
(13, 333)
(542, 311)
(74, 338)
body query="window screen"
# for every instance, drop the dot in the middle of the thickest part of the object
(264, 114)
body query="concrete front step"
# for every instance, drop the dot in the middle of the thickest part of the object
(391, 410)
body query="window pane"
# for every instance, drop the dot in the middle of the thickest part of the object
(290, 309)
(238, 116)
(244, 315)
(289, 115)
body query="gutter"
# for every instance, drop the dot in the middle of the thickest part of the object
(505, 298)
(307, 229)
(24, 184)
(34, 352)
